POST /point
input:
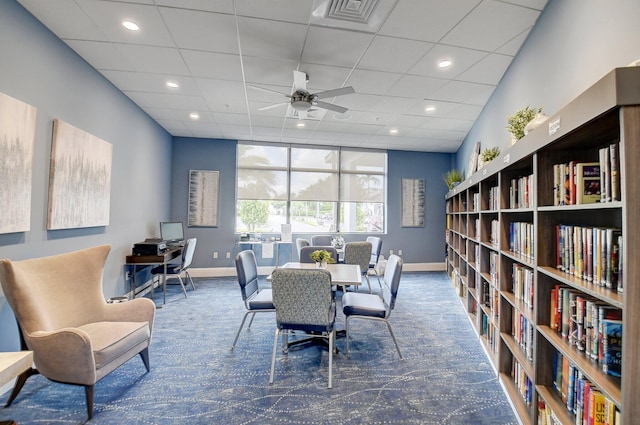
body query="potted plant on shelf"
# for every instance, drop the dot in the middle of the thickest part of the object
(322, 257)
(488, 155)
(452, 178)
(518, 121)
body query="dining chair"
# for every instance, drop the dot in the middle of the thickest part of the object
(321, 240)
(300, 243)
(357, 305)
(305, 253)
(177, 270)
(359, 253)
(255, 300)
(304, 301)
(376, 249)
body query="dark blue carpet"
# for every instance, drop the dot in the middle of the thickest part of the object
(195, 378)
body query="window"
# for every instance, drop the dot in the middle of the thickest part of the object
(313, 189)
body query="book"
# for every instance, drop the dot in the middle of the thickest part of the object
(614, 157)
(587, 182)
(611, 346)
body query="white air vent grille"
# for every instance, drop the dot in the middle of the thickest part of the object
(351, 10)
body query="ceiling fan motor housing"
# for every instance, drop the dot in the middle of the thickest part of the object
(301, 100)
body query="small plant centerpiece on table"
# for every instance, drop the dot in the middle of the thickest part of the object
(322, 257)
(518, 121)
(337, 241)
(452, 178)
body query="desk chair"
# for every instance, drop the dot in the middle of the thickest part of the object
(305, 253)
(304, 301)
(376, 249)
(255, 300)
(359, 253)
(76, 337)
(357, 305)
(321, 240)
(177, 270)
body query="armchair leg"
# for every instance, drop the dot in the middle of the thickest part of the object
(88, 391)
(22, 378)
(144, 355)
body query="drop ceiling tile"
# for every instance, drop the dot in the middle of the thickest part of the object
(512, 47)
(372, 82)
(56, 14)
(533, 4)
(223, 96)
(147, 82)
(279, 10)
(426, 20)
(393, 54)
(462, 59)
(177, 114)
(235, 119)
(108, 17)
(463, 92)
(324, 77)
(488, 71)
(221, 6)
(377, 118)
(190, 103)
(358, 102)
(102, 55)
(448, 124)
(394, 105)
(334, 47)
(260, 71)
(491, 25)
(416, 87)
(222, 66)
(162, 60)
(196, 30)
(270, 39)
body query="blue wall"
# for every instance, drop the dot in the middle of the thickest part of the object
(574, 44)
(419, 245)
(39, 69)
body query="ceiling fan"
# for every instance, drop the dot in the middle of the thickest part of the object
(302, 101)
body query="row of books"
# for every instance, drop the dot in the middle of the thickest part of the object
(521, 192)
(521, 236)
(591, 326)
(488, 330)
(584, 400)
(522, 284)
(494, 198)
(591, 253)
(494, 267)
(522, 331)
(587, 182)
(522, 381)
(494, 237)
(475, 199)
(491, 299)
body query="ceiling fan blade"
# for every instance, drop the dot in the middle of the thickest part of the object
(334, 92)
(331, 107)
(268, 90)
(264, 108)
(299, 80)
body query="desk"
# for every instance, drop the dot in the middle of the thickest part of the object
(166, 258)
(276, 245)
(341, 274)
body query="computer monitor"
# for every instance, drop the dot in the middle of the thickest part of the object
(172, 231)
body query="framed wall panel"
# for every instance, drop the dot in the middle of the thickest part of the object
(79, 179)
(203, 198)
(413, 193)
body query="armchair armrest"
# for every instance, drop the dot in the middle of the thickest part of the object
(136, 310)
(64, 355)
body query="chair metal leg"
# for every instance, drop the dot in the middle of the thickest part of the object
(394, 338)
(186, 272)
(184, 288)
(366, 275)
(332, 342)
(273, 356)
(346, 328)
(241, 326)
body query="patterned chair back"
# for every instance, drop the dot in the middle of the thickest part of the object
(358, 253)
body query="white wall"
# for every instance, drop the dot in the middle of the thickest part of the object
(573, 45)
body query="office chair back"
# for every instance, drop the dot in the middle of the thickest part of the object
(321, 240)
(392, 275)
(305, 253)
(247, 269)
(376, 249)
(187, 253)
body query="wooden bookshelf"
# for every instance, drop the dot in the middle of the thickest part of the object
(482, 212)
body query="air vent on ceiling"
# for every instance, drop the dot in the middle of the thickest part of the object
(351, 10)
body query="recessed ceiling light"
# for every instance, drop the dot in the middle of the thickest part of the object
(300, 124)
(446, 63)
(130, 25)
(430, 108)
(194, 115)
(341, 117)
(393, 131)
(172, 84)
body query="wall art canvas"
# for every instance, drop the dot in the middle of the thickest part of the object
(203, 198)
(413, 193)
(17, 136)
(79, 179)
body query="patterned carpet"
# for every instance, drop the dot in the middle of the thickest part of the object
(195, 378)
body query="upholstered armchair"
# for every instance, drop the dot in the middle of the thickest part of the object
(75, 335)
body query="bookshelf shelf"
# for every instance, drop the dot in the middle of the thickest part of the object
(514, 242)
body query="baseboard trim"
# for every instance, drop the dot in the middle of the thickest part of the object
(231, 271)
